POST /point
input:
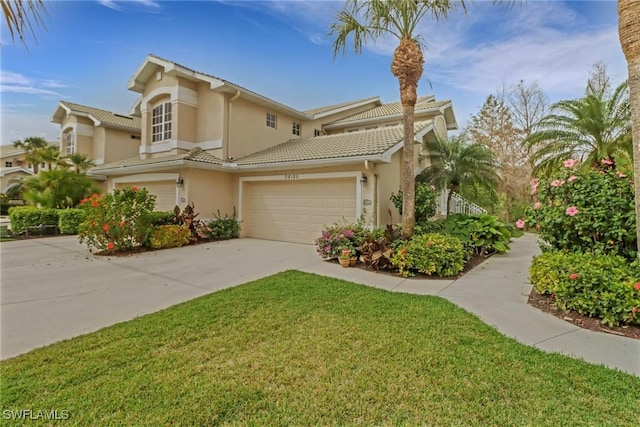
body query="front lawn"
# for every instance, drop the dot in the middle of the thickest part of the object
(301, 349)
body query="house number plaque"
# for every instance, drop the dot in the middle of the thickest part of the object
(291, 176)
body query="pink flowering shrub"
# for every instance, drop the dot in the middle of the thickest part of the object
(338, 237)
(601, 286)
(590, 211)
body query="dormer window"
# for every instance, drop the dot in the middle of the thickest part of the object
(161, 121)
(70, 143)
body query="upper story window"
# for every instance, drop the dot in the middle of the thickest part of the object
(8, 164)
(70, 143)
(138, 137)
(271, 120)
(296, 128)
(161, 123)
(317, 132)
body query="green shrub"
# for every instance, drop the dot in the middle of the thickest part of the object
(338, 237)
(118, 220)
(603, 286)
(425, 200)
(69, 220)
(585, 211)
(169, 236)
(434, 226)
(431, 253)
(223, 228)
(480, 234)
(160, 218)
(24, 217)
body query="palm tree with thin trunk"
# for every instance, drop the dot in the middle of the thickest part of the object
(80, 163)
(32, 147)
(364, 21)
(629, 32)
(589, 129)
(49, 155)
(457, 164)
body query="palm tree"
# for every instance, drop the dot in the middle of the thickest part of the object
(32, 147)
(57, 188)
(49, 155)
(371, 20)
(456, 164)
(22, 15)
(629, 32)
(80, 162)
(589, 129)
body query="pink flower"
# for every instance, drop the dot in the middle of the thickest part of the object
(574, 276)
(534, 186)
(620, 174)
(637, 286)
(520, 224)
(327, 249)
(347, 233)
(557, 183)
(570, 163)
(606, 162)
(537, 205)
(572, 178)
(571, 211)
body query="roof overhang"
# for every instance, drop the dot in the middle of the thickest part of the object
(16, 169)
(375, 100)
(64, 111)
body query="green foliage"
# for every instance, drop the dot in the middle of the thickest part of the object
(425, 201)
(69, 220)
(58, 188)
(338, 237)
(118, 220)
(24, 217)
(169, 236)
(603, 286)
(223, 228)
(378, 247)
(437, 253)
(160, 218)
(482, 234)
(433, 226)
(589, 211)
(188, 217)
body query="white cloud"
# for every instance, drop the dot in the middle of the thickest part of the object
(19, 126)
(120, 4)
(26, 89)
(8, 77)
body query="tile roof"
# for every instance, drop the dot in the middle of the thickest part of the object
(10, 150)
(320, 110)
(197, 155)
(107, 118)
(392, 108)
(343, 145)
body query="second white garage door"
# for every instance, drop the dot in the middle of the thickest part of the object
(165, 192)
(296, 211)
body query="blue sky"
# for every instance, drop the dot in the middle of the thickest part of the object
(280, 49)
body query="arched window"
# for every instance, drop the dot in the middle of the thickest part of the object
(161, 122)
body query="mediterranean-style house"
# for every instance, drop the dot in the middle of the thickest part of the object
(286, 172)
(14, 166)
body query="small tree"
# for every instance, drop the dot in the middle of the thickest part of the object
(32, 147)
(57, 188)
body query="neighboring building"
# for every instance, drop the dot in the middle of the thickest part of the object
(287, 172)
(14, 166)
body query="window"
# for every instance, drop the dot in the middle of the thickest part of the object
(161, 123)
(296, 128)
(271, 120)
(8, 164)
(136, 137)
(70, 143)
(317, 132)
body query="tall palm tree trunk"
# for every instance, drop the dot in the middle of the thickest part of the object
(407, 66)
(629, 32)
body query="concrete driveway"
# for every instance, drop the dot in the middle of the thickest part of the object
(54, 288)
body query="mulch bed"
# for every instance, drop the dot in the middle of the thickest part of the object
(545, 303)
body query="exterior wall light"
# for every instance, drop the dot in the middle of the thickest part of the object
(363, 179)
(179, 182)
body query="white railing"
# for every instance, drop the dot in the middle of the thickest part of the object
(458, 205)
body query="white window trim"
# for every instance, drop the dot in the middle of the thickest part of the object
(275, 120)
(70, 142)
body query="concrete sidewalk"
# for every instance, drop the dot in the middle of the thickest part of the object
(54, 289)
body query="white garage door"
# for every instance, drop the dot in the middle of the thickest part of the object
(296, 211)
(165, 192)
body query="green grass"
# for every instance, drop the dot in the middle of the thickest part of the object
(301, 349)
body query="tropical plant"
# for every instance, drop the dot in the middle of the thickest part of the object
(57, 188)
(22, 15)
(455, 164)
(629, 32)
(590, 211)
(364, 21)
(188, 217)
(425, 203)
(589, 129)
(339, 236)
(224, 227)
(79, 162)
(31, 146)
(118, 220)
(49, 155)
(483, 235)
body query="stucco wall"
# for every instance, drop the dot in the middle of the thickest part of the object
(389, 176)
(209, 191)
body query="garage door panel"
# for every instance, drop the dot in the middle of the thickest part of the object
(296, 211)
